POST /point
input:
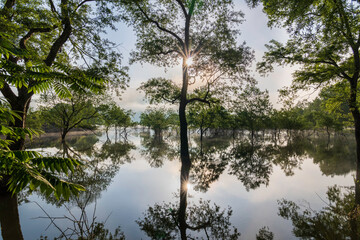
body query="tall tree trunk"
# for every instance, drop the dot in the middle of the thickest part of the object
(201, 134)
(353, 221)
(184, 155)
(9, 214)
(63, 135)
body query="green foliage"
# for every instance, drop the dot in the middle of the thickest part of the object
(206, 117)
(252, 108)
(157, 119)
(113, 115)
(37, 41)
(160, 89)
(35, 120)
(22, 169)
(67, 114)
(324, 43)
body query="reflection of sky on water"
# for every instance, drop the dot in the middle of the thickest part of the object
(137, 186)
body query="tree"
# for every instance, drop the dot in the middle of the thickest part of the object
(201, 35)
(156, 119)
(66, 114)
(40, 42)
(39, 52)
(206, 117)
(325, 42)
(252, 108)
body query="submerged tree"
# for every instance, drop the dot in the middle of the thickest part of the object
(66, 114)
(252, 108)
(201, 35)
(112, 115)
(156, 119)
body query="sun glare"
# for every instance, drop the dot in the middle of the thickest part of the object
(189, 61)
(188, 186)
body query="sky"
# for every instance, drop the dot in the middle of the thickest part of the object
(254, 31)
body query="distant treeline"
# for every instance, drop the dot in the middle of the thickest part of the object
(253, 111)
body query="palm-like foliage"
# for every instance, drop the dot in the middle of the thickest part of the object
(37, 77)
(30, 169)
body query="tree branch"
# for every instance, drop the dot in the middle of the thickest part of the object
(82, 119)
(31, 32)
(52, 7)
(199, 100)
(83, 2)
(160, 27)
(169, 100)
(9, 4)
(201, 226)
(182, 7)
(169, 52)
(60, 41)
(8, 93)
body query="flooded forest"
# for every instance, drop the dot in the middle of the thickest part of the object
(161, 119)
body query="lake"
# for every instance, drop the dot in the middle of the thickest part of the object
(127, 176)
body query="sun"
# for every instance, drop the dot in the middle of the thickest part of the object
(189, 61)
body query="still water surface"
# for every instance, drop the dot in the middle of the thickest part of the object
(248, 176)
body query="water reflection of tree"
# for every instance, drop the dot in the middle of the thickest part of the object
(336, 158)
(250, 160)
(209, 160)
(338, 219)
(251, 163)
(206, 220)
(101, 163)
(156, 149)
(333, 222)
(290, 155)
